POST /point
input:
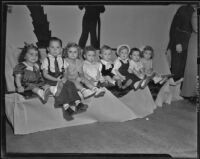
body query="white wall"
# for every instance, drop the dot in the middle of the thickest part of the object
(134, 25)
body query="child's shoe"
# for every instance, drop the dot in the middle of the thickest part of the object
(99, 92)
(67, 113)
(81, 107)
(41, 93)
(102, 84)
(168, 76)
(163, 81)
(137, 84)
(59, 88)
(47, 93)
(110, 85)
(145, 82)
(87, 93)
(127, 84)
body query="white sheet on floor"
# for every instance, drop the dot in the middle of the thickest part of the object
(28, 116)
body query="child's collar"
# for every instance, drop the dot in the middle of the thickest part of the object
(105, 62)
(30, 67)
(90, 62)
(59, 55)
(123, 60)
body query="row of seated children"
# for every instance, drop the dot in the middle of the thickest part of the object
(132, 68)
(50, 78)
(142, 65)
(64, 73)
(90, 72)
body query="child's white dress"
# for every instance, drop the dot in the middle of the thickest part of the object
(138, 66)
(92, 71)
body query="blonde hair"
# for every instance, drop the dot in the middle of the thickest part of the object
(69, 45)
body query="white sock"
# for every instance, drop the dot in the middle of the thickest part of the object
(65, 106)
(40, 92)
(136, 84)
(113, 82)
(157, 79)
(73, 108)
(77, 102)
(53, 89)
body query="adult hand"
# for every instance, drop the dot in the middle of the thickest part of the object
(169, 57)
(179, 48)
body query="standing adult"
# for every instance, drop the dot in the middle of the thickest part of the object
(89, 25)
(190, 76)
(179, 36)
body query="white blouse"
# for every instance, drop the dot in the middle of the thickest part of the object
(45, 63)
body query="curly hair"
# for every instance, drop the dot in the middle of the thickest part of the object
(149, 48)
(135, 49)
(68, 46)
(24, 51)
(87, 49)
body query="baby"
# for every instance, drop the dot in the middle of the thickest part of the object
(75, 71)
(92, 68)
(147, 61)
(107, 66)
(121, 68)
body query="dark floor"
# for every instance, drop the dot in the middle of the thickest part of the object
(171, 129)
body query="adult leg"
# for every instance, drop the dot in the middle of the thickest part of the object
(93, 34)
(178, 64)
(85, 33)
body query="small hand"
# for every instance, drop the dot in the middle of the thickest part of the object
(123, 78)
(20, 89)
(64, 80)
(102, 80)
(59, 78)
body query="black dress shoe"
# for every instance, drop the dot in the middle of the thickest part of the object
(67, 114)
(81, 106)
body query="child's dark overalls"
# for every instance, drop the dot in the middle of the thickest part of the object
(124, 71)
(69, 92)
(57, 72)
(107, 72)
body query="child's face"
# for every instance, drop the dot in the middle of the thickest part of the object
(90, 56)
(55, 48)
(123, 54)
(31, 56)
(135, 56)
(106, 54)
(72, 53)
(147, 54)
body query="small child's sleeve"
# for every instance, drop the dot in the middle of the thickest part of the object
(66, 64)
(100, 69)
(131, 65)
(19, 69)
(117, 65)
(45, 64)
